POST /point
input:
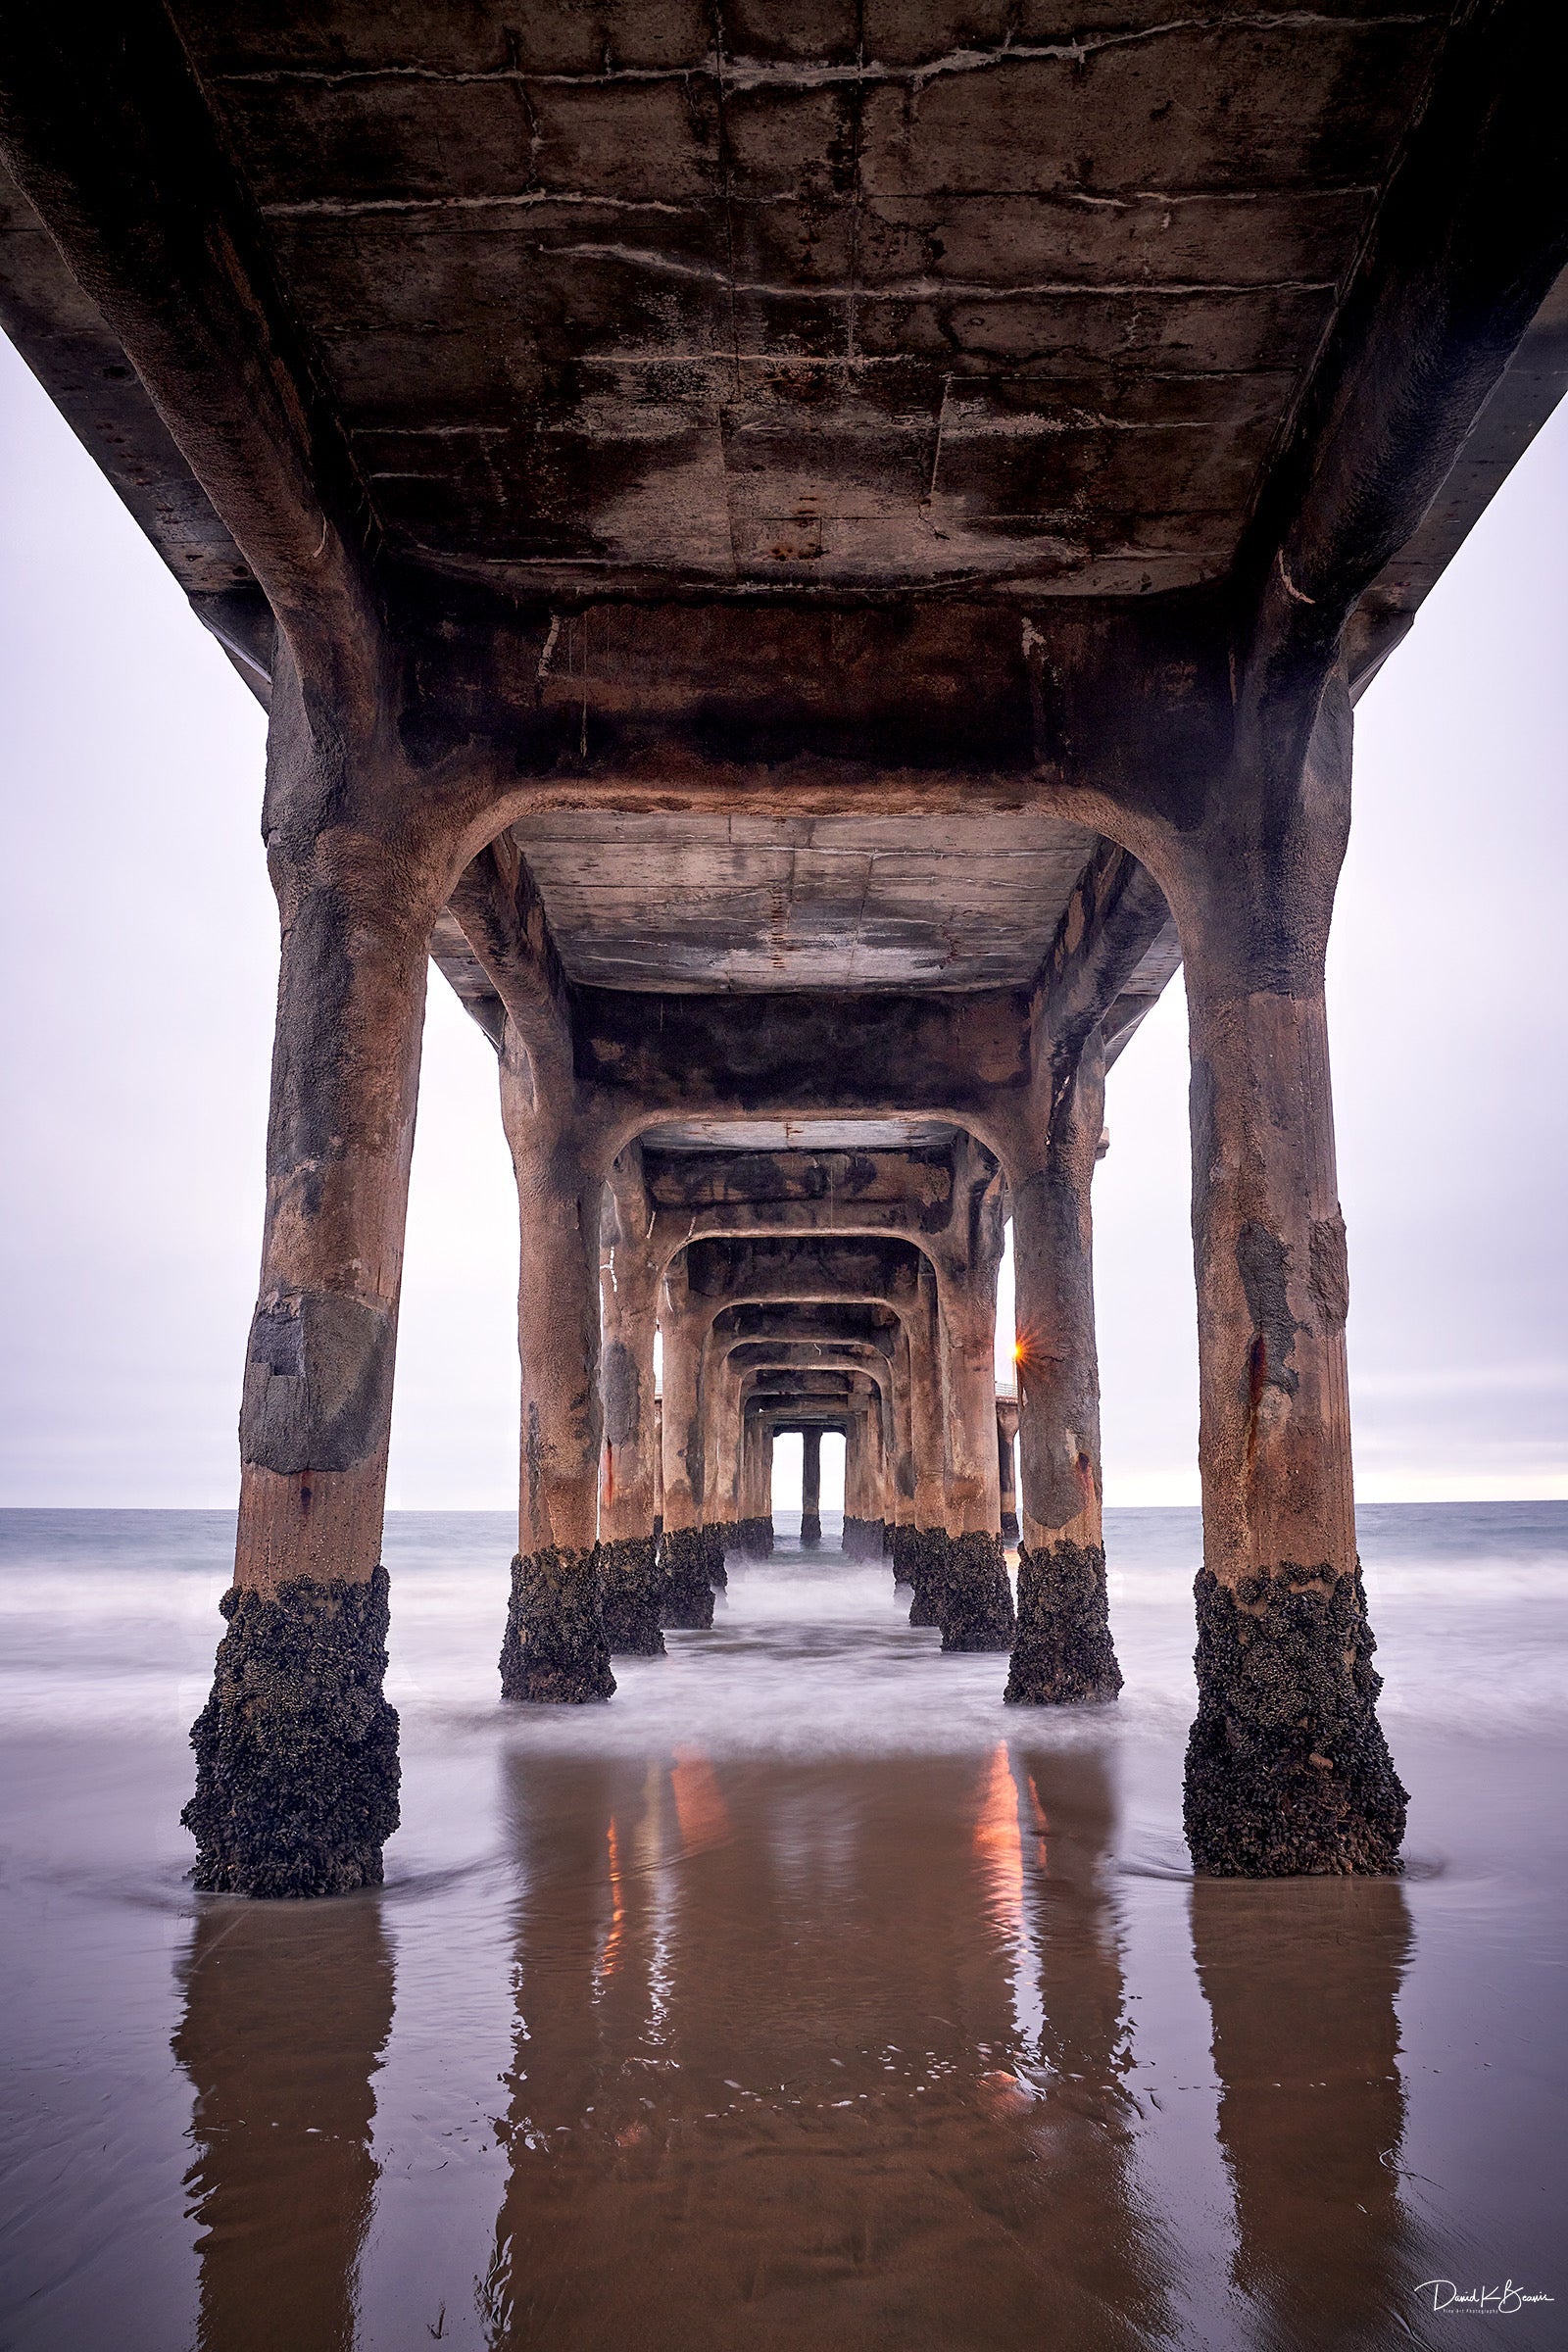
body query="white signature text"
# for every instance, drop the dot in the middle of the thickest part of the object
(1445, 2296)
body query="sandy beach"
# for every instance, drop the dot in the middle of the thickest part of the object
(801, 1995)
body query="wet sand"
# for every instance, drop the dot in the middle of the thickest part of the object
(802, 1995)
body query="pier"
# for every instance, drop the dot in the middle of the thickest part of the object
(803, 577)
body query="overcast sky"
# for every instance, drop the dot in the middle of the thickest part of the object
(140, 946)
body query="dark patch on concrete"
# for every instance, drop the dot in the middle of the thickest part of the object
(1062, 1653)
(688, 1589)
(622, 1389)
(1200, 1113)
(296, 1750)
(862, 1538)
(715, 1540)
(810, 1528)
(904, 1545)
(1288, 1772)
(318, 1383)
(1329, 1275)
(694, 1456)
(928, 1562)
(316, 988)
(977, 1603)
(752, 1539)
(1262, 1259)
(554, 1652)
(630, 1590)
(533, 1454)
(1009, 1527)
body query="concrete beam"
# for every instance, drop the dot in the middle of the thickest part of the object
(642, 1057)
(108, 134)
(1470, 237)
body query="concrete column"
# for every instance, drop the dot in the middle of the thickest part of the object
(688, 1592)
(1006, 1480)
(887, 1505)
(925, 1404)
(555, 1649)
(853, 1474)
(900, 1485)
(753, 1503)
(296, 1750)
(724, 1405)
(759, 1488)
(1286, 1768)
(865, 1497)
(630, 1584)
(719, 1504)
(749, 1525)
(1063, 1648)
(659, 1467)
(812, 1485)
(920, 1560)
(974, 1600)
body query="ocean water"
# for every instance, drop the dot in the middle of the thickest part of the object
(802, 1995)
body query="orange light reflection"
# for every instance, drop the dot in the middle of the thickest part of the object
(701, 1812)
(999, 1843)
(609, 1958)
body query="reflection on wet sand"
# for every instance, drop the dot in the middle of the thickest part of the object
(828, 2045)
(287, 2011)
(1084, 2037)
(825, 2054)
(1301, 1978)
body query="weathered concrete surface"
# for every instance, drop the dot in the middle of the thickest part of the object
(683, 1322)
(1062, 1653)
(1273, 1292)
(811, 1488)
(966, 1258)
(686, 1562)
(927, 1560)
(628, 1293)
(1288, 1770)
(756, 1473)
(554, 1652)
(975, 1602)
(296, 1750)
(316, 1415)
(715, 1540)
(1059, 1368)
(878, 213)
(1007, 1474)
(554, 1642)
(1025, 388)
(631, 1590)
(905, 1543)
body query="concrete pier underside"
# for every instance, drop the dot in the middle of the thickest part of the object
(806, 566)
